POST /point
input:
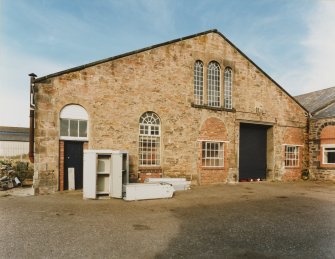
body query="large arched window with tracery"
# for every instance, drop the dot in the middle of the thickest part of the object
(198, 82)
(149, 139)
(228, 88)
(73, 122)
(213, 84)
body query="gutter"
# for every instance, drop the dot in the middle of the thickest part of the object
(32, 117)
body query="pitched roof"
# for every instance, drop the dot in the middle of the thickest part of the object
(321, 104)
(14, 134)
(41, 79)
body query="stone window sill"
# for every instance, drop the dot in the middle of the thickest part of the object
(326, 168)
(203, 106)
(212, 168)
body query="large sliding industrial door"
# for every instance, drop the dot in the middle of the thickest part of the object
(252, 157)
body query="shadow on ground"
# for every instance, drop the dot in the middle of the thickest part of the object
(279, 227)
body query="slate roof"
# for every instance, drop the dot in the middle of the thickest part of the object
(78, 68)
(321, 104)
(14, 134)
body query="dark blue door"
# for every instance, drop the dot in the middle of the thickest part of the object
(252, 158)
(73, 158)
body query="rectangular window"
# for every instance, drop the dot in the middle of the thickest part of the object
(73, 128)
(64, 127)
(212, 154)
(329, 154)
(83, 129)
(291, 156)
(149, 150)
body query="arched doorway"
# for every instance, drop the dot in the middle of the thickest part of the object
(73, 134)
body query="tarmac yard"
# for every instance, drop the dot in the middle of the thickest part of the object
(245, 220)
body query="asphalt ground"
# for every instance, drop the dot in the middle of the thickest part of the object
(245, 220)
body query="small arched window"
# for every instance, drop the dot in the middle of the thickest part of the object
(213, 84)
(327, 141)
(198, 82)
(73, 122)
(149, 139)
(228, 88)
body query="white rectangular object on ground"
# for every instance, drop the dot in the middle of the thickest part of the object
(71, 180)
(146, 191)
(155, 180)
(179, 184)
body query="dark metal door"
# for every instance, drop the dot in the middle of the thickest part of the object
(252, 159)
(73, 157)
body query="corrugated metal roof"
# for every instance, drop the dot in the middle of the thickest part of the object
(318, 100)
(14, 134)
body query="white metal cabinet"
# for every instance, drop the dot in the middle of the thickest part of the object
(104, 173)
(116, 177)
(89, 177)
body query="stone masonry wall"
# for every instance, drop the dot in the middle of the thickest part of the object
(322, 131)
(116, 93)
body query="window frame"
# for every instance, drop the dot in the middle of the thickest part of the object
(228, 88)
(198, 82)
(74, 113)
(324, 146)
(295, 159)
(206, 158)
(69, 137)
(213, 82)
(147, 132)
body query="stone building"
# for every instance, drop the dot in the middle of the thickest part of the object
(194, 107)
(321, 105)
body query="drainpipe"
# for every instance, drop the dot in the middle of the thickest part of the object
(32, 117)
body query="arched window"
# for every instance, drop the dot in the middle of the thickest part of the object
(228, 88)
(73, 123)
(327, 141)
(198, 82)
(213, 84)
(149, 141)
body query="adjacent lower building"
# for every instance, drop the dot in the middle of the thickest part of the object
(194, 107)
(321, 105)
(14, 142)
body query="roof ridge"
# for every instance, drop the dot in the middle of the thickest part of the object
(321, 90)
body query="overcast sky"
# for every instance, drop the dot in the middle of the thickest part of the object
(291, 40)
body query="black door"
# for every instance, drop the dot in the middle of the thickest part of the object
(252, 159)
(73, 157)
